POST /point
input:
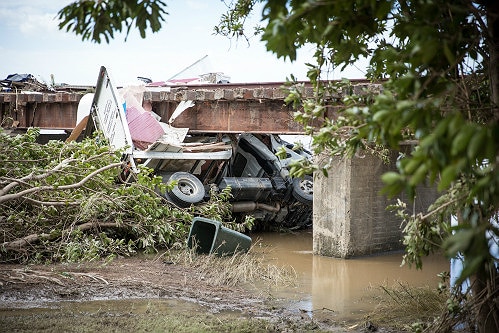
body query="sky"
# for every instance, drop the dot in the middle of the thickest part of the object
(31, 43)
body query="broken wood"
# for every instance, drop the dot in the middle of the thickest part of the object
(21, 243)
(76, 132)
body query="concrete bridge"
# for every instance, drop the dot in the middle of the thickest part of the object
(219, 108)
(350, 216)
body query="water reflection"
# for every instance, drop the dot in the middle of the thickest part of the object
(342, 286)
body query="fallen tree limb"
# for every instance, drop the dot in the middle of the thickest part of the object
(70, 207)
(21, 243)
(90, 225)
(32, 176)
(7, 197)
(53, 203)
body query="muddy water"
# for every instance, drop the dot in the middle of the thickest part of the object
(338, 289)
(344, 287)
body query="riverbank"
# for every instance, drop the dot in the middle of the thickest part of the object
(138, 294)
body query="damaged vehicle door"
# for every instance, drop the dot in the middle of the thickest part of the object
(261, 185)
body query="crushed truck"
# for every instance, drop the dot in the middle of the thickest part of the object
(246, 163)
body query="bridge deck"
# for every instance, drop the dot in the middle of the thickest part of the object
(220, 108)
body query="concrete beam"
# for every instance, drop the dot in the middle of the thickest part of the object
(219, 108)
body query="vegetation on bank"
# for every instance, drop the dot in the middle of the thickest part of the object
(408, 308)
(64, 202)
(436, 65)
(147, 316)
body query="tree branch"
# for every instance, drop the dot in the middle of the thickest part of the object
(21, 243)
(7, 197)
(53, 203)
(32, 176)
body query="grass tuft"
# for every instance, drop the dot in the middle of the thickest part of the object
(407, 307)
(234, 270)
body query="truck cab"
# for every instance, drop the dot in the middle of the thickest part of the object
(246, 163)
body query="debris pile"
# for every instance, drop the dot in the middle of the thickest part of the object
(14, 82)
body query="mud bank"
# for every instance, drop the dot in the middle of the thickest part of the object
(35, 287)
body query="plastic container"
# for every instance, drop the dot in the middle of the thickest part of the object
(209, 236)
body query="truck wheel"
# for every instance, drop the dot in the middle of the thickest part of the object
(303, 190)
(188, 190)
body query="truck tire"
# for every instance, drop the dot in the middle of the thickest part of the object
(188, 190)
(303, 190)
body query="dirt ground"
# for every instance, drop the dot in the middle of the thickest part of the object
(120, 279)
(138, 278)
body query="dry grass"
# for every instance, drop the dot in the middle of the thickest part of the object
(407, 307)
(236, 269)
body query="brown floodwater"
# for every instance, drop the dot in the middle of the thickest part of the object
(340, 289)
(343, 286)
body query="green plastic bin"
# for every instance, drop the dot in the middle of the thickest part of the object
(209, 236)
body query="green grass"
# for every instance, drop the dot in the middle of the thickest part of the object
(139, 316)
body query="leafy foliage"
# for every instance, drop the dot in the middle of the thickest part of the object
(62, 202)
(233, 23)
(436, 65)
(427, 97)
(97, 20)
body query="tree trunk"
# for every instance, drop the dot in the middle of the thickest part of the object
(485, 286)
(492, 8)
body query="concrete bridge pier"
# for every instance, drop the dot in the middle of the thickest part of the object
(350, 217)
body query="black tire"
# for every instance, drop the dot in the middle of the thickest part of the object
(303, 190)
(188, 190)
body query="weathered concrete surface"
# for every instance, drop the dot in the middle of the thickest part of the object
(219, 108)
(231, 108)
(350, 216)
(36, 109)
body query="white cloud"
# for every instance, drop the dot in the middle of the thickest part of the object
(197, 5)
(31, 43)
(38, 24)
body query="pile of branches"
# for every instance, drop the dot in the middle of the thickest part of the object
(62, 202)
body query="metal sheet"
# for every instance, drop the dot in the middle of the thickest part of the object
(108, 114)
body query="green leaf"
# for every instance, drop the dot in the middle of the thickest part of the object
(391, 177)
(458, 243)
(460, 142)
(476, 143)
(381, 116)
(419, 175)
(448, 176)
(470, 267)
(411, 165)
